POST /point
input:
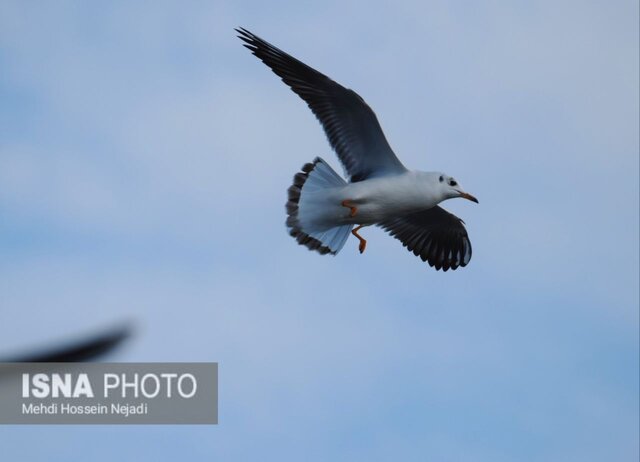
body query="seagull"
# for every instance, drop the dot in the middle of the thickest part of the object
(323, 208)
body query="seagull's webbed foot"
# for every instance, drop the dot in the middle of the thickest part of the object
(348, 204)
(363, 243)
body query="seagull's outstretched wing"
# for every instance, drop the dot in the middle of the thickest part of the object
(435, 235)
(83, 350)
(351, 126)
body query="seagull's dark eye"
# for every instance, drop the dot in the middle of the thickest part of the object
(452, 182)
(441, 178)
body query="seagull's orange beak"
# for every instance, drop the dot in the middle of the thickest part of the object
(469, 196)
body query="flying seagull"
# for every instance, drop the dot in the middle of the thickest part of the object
(323, 208)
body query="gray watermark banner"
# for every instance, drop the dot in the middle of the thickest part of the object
(108, 393)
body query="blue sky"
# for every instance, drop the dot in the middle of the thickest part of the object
(144, 158)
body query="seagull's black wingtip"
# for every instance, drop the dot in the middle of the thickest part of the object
(244, 33)
(247, 37)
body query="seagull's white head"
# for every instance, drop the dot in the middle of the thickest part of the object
(449, 188)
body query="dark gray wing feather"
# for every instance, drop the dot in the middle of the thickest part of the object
(349, 123)
(83, 350)
(435, 235)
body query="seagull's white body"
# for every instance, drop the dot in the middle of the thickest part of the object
(377, 200)
(323, 208)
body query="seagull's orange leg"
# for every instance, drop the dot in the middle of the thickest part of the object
(363, 243)
(347, 203)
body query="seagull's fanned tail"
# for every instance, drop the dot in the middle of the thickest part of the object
(306, 218)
